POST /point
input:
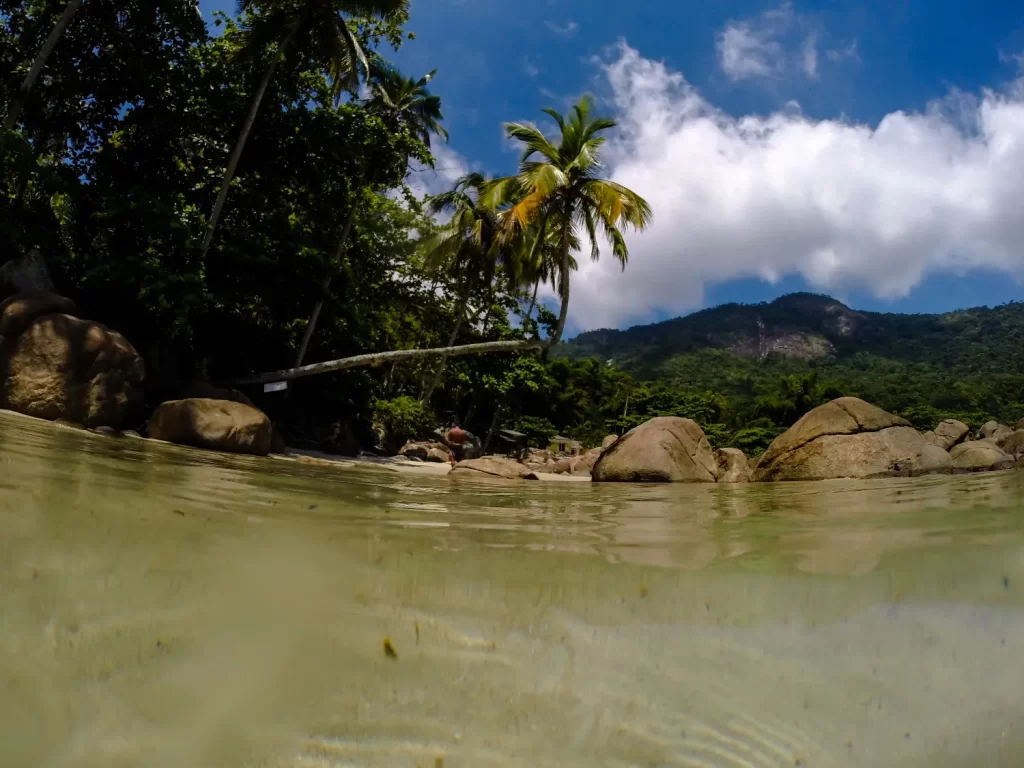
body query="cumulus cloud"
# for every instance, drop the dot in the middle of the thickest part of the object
(844, 205)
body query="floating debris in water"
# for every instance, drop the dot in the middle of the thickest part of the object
(643, 590)
(417, 633)
(389, 649)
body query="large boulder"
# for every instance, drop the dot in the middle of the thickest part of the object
(565, 465)
(993, 430)
(947, 434)
(492, 467)
(63, 367)
(608, 441)
(979, 456)
(204, 390)
(589, 459)
(220, 425)
(425, 451)
(733, 466)
(22, 308)
(1013, 443)
(663, 450)
(848, 438)
(1019, 424)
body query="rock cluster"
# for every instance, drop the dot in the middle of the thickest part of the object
(56, 365)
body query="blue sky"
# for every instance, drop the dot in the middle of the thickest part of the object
(871, 150)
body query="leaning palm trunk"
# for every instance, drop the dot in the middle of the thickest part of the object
(451, 342)
(236, 154)
(379, 358)
(18, 102)
(318, 307)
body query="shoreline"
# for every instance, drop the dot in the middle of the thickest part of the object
(397, 464)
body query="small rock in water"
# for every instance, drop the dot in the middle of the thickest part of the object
(389, 649)
(109, 431)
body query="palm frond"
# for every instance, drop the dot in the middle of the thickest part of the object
(344, 71)
(542, 178)
(587, 214)
(534, 142)
(498, 193)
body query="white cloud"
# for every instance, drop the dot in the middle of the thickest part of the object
(745, 52)
(849, 51)
(775, 44)
(568, 30)
(529, 68)
(810, 56)
(1013, 58)
(844, 205)
(449, 166)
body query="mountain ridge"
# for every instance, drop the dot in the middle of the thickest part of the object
(816, 329)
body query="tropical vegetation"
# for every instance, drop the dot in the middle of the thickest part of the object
(235, 199)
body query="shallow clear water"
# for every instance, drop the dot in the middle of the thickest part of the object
(169, 607)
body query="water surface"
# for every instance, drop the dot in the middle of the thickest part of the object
(161, 606)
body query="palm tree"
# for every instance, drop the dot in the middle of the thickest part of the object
(320, 29)
(409, 102)
(18, 100)
(541, 264)
(557, 187)
(558, 196)
(465, 248)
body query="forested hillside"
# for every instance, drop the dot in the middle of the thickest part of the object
(746, 371)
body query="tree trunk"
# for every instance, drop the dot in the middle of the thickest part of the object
(18, 102)
(490, 432)
(533, 302)
(236, 154)
(556, 336)
(425, 397)
(394, 356)
(324, 286)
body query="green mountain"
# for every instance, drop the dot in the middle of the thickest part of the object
(745, 372)
(816, 329)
